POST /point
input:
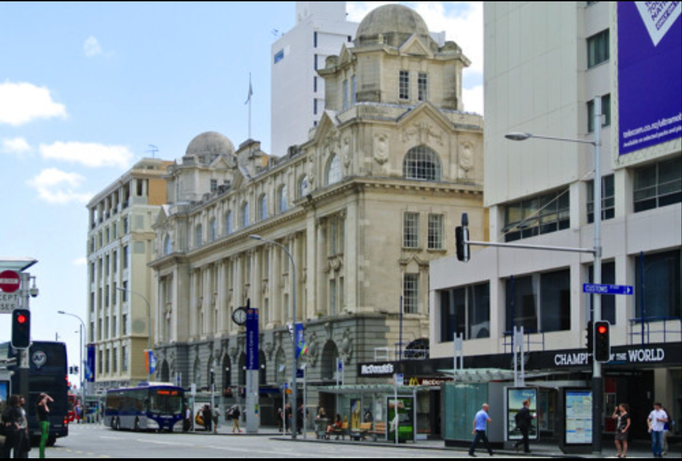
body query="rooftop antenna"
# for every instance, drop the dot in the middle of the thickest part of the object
(153, 150)
(275, 32)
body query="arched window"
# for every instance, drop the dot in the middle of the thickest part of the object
(263, 207)
(229, 223)
(214, 230)
(168, 245)
(283, 205)
(245, 216)
(422, 164)
(198, 236)
(334, 173)
(303, 187)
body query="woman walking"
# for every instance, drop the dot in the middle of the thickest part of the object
(43, 413)
(11, 419)
(622, 414)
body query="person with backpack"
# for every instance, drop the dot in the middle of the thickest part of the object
(236, 414)
(524, 421)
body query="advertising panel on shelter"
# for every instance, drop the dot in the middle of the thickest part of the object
(649, 71)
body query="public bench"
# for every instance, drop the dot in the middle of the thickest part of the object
(343, 431)
(379, 431)
(361, 432)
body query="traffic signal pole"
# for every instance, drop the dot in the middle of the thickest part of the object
(22, 354)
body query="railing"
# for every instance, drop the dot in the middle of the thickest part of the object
(509, 340)
(642, 328)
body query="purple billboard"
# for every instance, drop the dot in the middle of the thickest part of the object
(649, 74)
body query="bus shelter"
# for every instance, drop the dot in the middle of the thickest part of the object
(376, 405)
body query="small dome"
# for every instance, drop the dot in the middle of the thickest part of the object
(395, 23)
(208, 146)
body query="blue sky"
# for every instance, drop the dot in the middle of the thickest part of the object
(86, 88)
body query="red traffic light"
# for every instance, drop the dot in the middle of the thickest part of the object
(602, 329)
(21, 319)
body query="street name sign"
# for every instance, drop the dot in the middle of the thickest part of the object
(608, 289)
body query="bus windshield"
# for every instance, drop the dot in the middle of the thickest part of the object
(166, 401)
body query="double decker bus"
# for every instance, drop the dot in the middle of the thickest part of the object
(148, 407)
(48, 374)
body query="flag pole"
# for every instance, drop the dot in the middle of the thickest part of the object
(249, 103)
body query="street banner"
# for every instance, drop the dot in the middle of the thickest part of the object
(150, 361)
(252, 332)
(301, 347)
(90, 364)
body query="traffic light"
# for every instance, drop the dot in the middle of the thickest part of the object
(602, 341)
(462, 239)
(21, 328)
(589, 334)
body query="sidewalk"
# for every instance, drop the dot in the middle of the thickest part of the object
(637, 449)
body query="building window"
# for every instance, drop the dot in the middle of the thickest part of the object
(337, 235)
(198, 235)
(658, 185)
(214, 185)
(598, 48)
(465, 311)
(114, 361)
(315, 107)
(346, 96)
(608, 303)
(608, 194)
(354, 91)
(315, 39)
(423, 87)
(422, 164)
(537, 216)
(605, 110)
(411, 294)
(411, 230)
(316, 61)
(404, 85)
(214, 229)
(279, 56)
(124, 293)
(334, 173)
(263, 207)
(315, 84)
(114, 261)
(126, 257)
(124, 325)
(540, 303)
(436, 231)
(659, 278)
(332, 298)
(245, 216)
(229, 224)
(304, 187)
(283, 199)
(124, 359)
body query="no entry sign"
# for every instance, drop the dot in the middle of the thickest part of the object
(9, 281)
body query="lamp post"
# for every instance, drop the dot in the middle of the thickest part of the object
(149, 325)
(293, 339)
(597, 379)
(82, 365)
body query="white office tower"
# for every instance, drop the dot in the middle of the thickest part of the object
(297, 91)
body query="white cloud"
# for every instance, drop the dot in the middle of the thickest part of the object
(58, 187)
(89, 155)
(21, 103)
(16, 146)
(473, 100)
(80, 262)
(91, 47)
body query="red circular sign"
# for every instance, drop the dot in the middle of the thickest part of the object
(9, 281)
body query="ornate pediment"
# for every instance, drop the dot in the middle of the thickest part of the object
(415, 46)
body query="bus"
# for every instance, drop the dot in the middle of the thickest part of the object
(148, 407)
(71, 408)
(48, 374)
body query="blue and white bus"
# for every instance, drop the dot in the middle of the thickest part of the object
(152, 407)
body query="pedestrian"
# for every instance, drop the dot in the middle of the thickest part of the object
(11, 418)
(288, 416)
(280, 419)
(208, 418)
(524, 421)
(216, 418)
(301, 415)
(656, 421)
(236, 414)
(667, 428)
(481, 421)
(186, 419)
(24, 443)
(622, 415)
(43, 412)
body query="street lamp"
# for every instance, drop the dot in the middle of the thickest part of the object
(82, 366)
(293, 338)
(597, 380)
(149, 326)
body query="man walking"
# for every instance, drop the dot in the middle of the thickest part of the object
(480, 425)
(656, 422)
(524, 421)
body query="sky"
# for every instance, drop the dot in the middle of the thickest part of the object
(88, 89)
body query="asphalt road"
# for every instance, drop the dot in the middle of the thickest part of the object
(94, 441)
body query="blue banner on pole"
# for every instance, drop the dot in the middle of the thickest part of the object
(90, 364)
(301, 348)
(252, 333)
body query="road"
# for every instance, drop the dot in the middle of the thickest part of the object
(93, 441)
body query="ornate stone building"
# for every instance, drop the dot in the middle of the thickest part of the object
(363, 207)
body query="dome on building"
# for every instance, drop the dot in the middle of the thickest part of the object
(207, 146)
(394, 23)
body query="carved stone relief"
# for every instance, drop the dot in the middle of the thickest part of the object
(381, 148)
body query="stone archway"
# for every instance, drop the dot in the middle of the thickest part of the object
(328, 363)
(165, 372)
